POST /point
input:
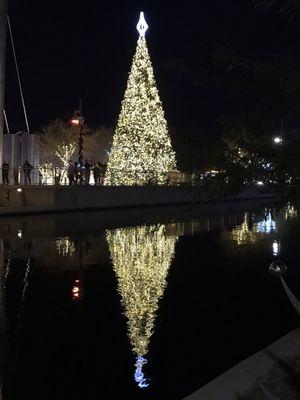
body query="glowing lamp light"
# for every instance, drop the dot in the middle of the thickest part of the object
(277, 140)
(76, 290)
(142, 25)
(19, 190)
(259, 183)
(75, 121)
(275, 247)
(20, 233)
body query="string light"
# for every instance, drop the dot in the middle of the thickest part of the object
(46, 171)
(65, 152)
(141, 151)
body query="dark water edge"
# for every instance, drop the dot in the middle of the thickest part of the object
(219, 306)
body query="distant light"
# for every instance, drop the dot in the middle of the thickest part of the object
(75, 121)
(267, 166)
(277, 140)
(20, 233)
(275, 247)
(76, 292)
(19, 190)
(260, 183)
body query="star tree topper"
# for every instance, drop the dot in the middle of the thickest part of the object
(142, 25)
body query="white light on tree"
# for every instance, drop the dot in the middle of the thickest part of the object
(65, 152)
(141, 151)
(46, 171)
(141, 258)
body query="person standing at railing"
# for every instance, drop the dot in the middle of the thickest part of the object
(57, 175)
(5, 172)
(96, 172)
(71, 172)
(27, 168)
(77, 171)
(16, 176)
(87, 172)
(102, 173)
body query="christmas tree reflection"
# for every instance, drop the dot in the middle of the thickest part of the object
(141, 258)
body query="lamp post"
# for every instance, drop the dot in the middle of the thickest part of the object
(78, 120)
(20, 133)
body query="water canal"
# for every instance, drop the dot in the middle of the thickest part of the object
(140, 304)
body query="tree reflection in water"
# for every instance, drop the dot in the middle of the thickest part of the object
(141, 258)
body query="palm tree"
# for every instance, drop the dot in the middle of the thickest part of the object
(289, 8)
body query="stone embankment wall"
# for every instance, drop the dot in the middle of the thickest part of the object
(34, 199)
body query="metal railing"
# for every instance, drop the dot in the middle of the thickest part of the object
(48, 176)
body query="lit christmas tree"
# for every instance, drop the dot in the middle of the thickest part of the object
(141, 152)
(141, 258)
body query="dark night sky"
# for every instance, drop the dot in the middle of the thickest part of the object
(68, 50)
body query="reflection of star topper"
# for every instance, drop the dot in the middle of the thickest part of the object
(142, 25)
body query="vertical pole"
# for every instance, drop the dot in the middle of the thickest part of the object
(3, 30)
(20, 158)
(80, 143)
(80, 138)
(18, 73)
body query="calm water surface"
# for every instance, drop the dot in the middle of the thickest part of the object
(133, 305)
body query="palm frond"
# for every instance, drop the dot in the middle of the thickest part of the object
(288, 8)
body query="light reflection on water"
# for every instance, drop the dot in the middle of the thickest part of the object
(65, 246)
(255, 228)
(141, 258)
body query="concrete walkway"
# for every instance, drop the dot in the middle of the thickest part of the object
(271, 374)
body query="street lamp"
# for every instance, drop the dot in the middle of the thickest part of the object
(18, 176)
(277, 140)
(78, 120)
